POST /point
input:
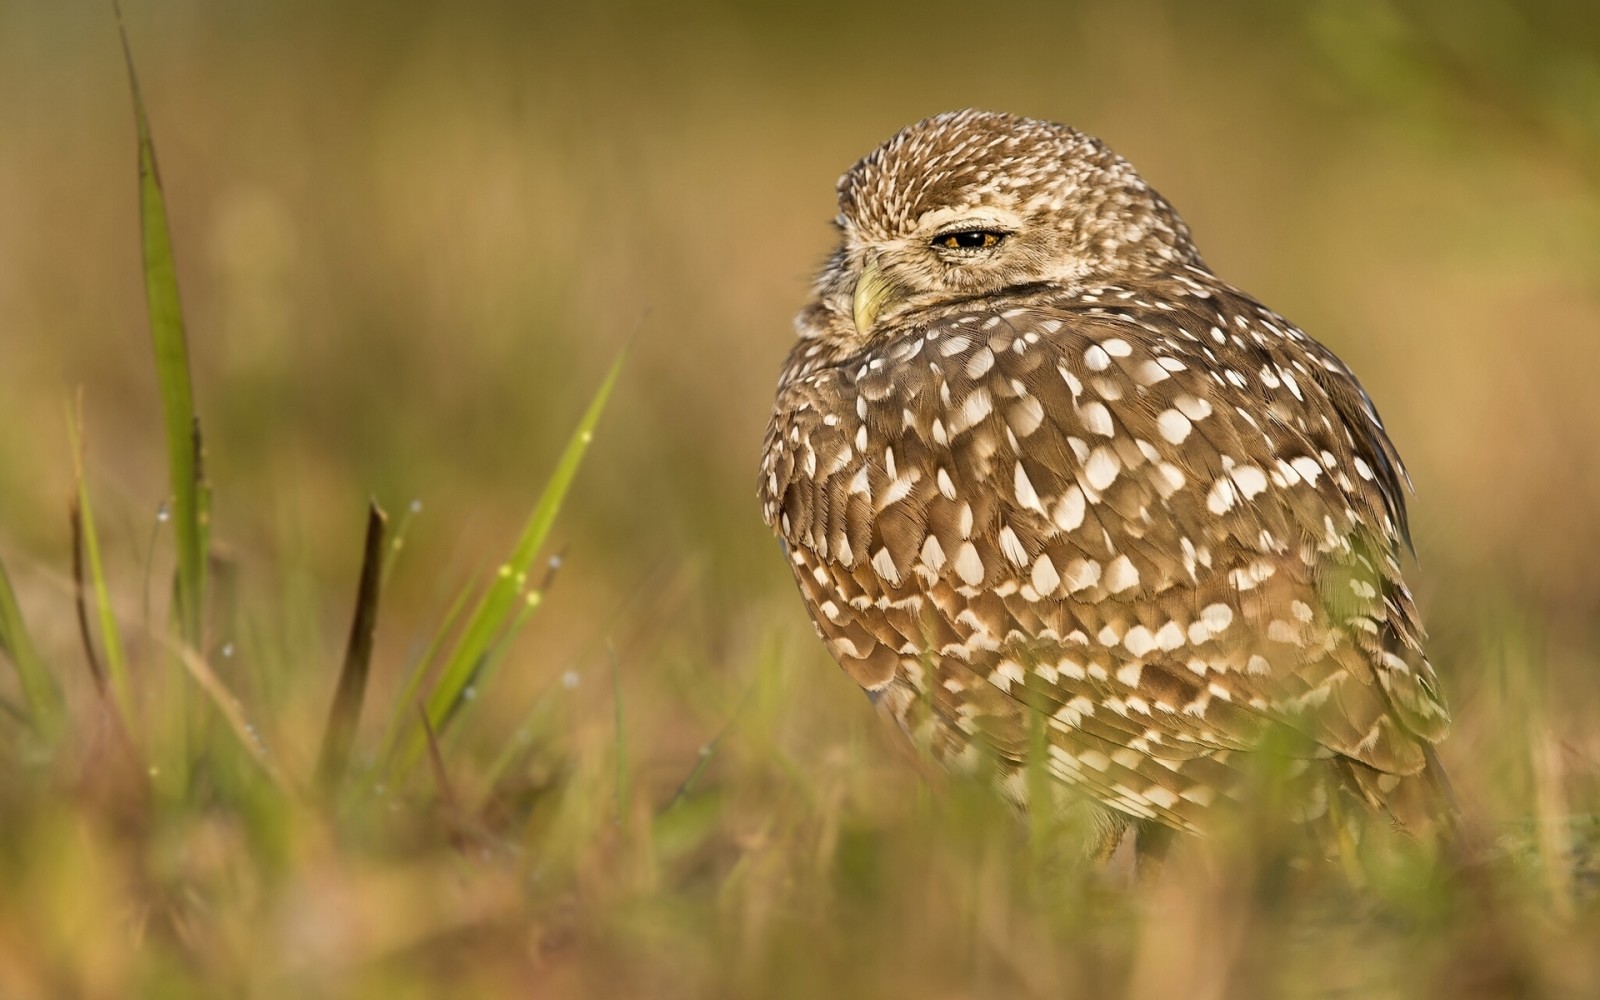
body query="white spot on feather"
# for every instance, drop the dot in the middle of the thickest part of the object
(1220, 499)
(1121, 575)
(883, 564)
(1025, 417)
(977, 406)
(968, 566)
(1097, 419)
(1027, 496)
(1174, 426)
(1139, 641)
(1081, 574)
(1216, 618)
(951, 346)
(1011, 546)
(1250, 480)
(1069, 510)
(1102, 468)
(979, 364)
(1169, 637)
(1045, 579)
(1192, 407)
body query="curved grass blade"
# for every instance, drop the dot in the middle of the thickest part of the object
(345, 714)
(189, 502)
(508, 590)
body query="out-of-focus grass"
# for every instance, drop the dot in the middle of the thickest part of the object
(412, 239)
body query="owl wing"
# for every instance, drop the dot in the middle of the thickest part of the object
(1165, 528)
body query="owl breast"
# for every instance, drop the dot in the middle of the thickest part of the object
(1157, 522)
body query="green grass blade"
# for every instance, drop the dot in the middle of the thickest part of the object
(508, 589)
(44, 699)
(483, 676)
(189, 503)
(405, 706)
(110, 633)
(709, 750)
(232, 711)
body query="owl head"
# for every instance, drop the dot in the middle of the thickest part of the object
(969, 204)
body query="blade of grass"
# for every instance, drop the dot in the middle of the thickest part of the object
(489, 666)
(709, 750)
(410, 692)
(233, 711)
(509, 586)
(44, 698)
(110, 633)
(80, 599)
(189, 502)
(457, 823)
(441, 777)
(346, 711)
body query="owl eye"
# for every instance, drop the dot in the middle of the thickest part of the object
(970, 239)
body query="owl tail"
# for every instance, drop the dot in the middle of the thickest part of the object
(1422, 806)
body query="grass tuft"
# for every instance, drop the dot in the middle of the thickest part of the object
(506, 599)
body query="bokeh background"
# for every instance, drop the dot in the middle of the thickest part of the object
(411, 237)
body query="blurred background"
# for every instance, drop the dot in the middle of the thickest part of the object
(412, 236)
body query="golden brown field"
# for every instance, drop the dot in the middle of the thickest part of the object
(411, 240)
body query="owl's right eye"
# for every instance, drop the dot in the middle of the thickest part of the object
(970, 239)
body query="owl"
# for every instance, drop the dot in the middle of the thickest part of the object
(1064, 502)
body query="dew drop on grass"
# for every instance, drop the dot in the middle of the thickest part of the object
(569, 680)
(255, 737)
(163, 514)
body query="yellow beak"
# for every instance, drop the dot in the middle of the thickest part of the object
(874, 294)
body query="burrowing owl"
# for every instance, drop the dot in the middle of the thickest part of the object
(1047, 482)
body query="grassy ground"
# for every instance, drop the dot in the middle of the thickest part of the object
(412, 243)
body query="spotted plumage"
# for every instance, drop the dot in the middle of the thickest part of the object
(1031, 461)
